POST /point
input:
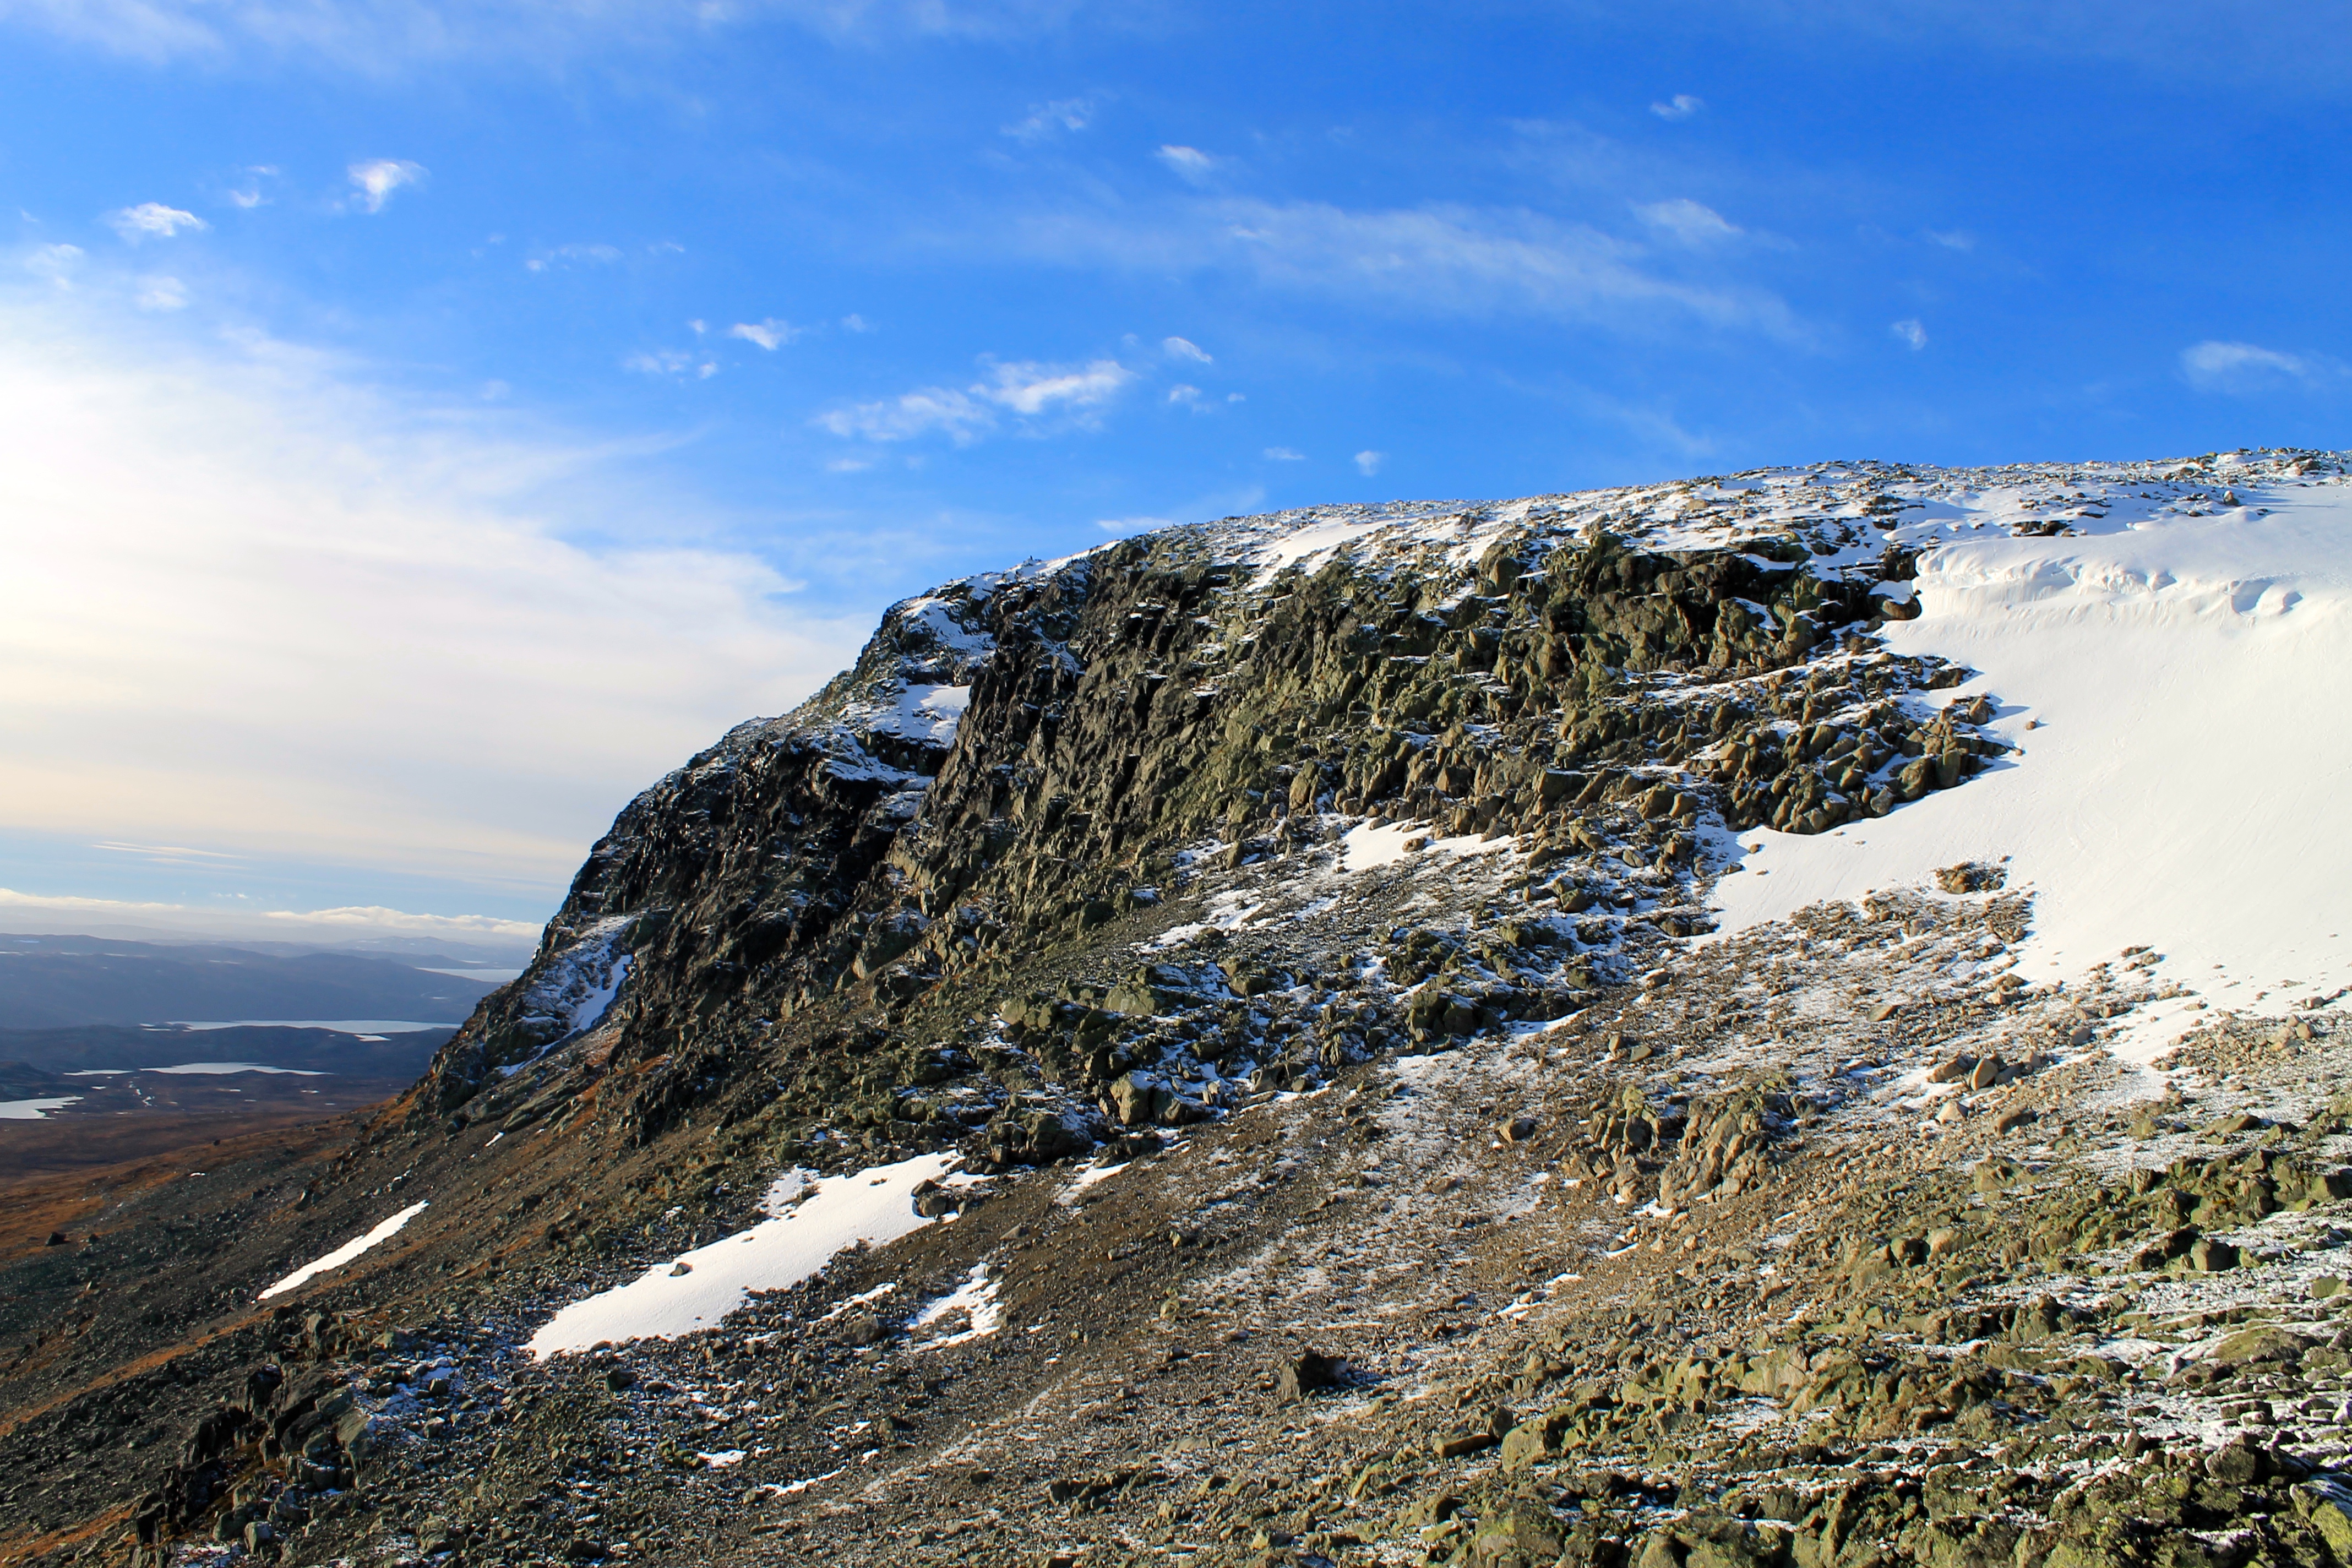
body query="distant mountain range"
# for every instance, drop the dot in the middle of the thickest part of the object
(62, 981)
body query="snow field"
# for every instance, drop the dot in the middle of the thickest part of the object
(703, 1286)
(2175, 689)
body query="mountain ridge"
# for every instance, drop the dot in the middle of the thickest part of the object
(1477, 1167)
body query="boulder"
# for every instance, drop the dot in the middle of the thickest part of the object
(1304, 1374)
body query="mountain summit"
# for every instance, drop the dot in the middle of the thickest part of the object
(1778, 1018)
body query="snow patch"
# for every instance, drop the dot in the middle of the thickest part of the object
(976, 1297)
(344, 1253)
(1366, 847)
(577, 986)
(873, 1205)
(33, 1109)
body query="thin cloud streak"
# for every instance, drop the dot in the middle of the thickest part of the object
(1026, 389)
(2243, 368)
(1441, 259)
(389, 38)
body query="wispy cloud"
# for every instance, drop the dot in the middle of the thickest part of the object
(1369, 463)
(1911, 333)
(1126, 525)
(1688, 221)
(1951, 238)
(670, 362)
(770, 335)
(1043, 120)
(154, 220)
(1184, 348)
(953, 414)
(159, 294)
(1031, 388)
(1431, 260)
(2242, 368)
(1024, 388)
(58, 263)
(1284, 455)
(249, 195)
(391, 39)
(587, 254)
(374, 181)
(1682, 106)
(1190, 163)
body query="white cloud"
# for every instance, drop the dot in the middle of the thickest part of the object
(591, 255)
(1025, 388)
(909, 415)
(1369, 463)
(1911, 333)
(855, 324)
(375, 180)
(255, 605)
(1184, 348)
(1682, 106)
(55, 262)
(1186, 394)
(1952, 238)
(1032, 388)
(1126, 525)
(770, 335)
(670, 362)
(1432, 261)
(1190, 162)
(349, 920)
(160, 294)
(1048, 120)
(250, 196)
(1284, 455)
(376, 916)
(153, 220)
(1688, 221)
(2215, 367)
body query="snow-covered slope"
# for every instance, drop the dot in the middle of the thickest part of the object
(2175, 676)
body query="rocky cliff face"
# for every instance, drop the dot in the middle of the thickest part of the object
(1018, 760)
(1217, 1050)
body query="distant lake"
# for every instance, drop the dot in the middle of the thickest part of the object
(31, 1110)
(340, 1025)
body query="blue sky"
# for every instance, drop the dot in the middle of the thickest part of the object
(430, 425)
